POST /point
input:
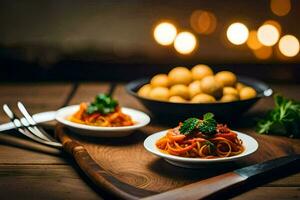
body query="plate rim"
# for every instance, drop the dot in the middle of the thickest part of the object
(197, 160)
(68, 123)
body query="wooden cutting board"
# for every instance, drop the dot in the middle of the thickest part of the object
(124, 168)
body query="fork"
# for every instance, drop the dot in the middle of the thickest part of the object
(29, 127)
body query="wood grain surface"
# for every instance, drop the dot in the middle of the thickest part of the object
(43, 182)
(27, 172)
(126, 160)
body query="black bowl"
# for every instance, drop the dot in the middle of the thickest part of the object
(230, 110)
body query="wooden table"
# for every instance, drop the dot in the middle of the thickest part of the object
(29, 171)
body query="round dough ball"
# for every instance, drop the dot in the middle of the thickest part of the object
(239, 86)
(203, 98)
(160, 93)
(226, 78)
(180, 90)
(144, 91)
(229, 98)
(211, 86)
(231, 91)
(247, 93)
(160, 80)
(201, 71)
(177, 99)
(180, 75)
(194, 88)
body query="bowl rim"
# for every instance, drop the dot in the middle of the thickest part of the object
(265, 93)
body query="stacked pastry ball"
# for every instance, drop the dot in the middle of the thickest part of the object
(198, 85)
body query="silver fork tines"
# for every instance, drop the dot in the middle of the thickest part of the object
(26, 129)
(39, 131)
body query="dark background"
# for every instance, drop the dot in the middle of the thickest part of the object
(112, 40)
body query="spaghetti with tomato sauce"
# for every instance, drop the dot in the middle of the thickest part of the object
(223, 143)
(113, 119)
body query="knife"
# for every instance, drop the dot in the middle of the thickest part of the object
(39, 118)
(218, 184)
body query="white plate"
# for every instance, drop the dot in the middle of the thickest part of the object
(140, 119)
(249, 143)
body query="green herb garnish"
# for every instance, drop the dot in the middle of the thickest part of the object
(284, 119)
(189, 125)
(211, 146)
(103, 104)
(206, 126)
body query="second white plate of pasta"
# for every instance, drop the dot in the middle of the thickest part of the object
(139, 119)
(250, 145)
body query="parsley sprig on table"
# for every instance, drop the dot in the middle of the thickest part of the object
(284, 119)
(103, 104)
(207, 126)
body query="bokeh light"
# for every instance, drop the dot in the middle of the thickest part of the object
(203, 22)
(289, 45)
(185, 42)
(280, 7)
(237, 33)
(252, 41)
(278, 54)
(274, 23)
(264, 52)
(165, 33)
(268, 34)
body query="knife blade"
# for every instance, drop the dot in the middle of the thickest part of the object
(257, 169)
(39, 118)
(218, 184)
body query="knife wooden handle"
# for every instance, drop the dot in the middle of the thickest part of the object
(97, 174)
(201, 189)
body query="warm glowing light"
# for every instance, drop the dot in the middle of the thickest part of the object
(185, 42)
(279, 55)
(203, 22)
(274, 23)
(264, 52)
(252, 41)
(289, 45)
(165, 33)
(280, 7)
(268, 34)
(237, 33)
